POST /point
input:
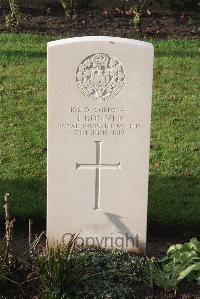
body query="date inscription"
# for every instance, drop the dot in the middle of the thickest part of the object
(99, 121)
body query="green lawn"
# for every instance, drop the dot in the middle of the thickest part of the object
(174, 190)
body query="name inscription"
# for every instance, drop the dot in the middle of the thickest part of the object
(99, 121)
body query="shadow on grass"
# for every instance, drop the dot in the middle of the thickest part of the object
(173, 201)
(176, 53)
(27, 197)
(22, 53)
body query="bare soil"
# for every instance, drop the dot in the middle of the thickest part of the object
(162, 25)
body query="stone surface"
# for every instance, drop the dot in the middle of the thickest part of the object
(99, 112)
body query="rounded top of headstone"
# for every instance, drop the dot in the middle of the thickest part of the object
(109, 39)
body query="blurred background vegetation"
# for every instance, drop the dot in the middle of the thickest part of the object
(89, 4)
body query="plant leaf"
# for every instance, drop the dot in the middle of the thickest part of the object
(187, 271)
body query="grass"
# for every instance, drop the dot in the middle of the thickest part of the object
(174, 189)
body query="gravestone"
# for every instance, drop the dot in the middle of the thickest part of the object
(99, 112)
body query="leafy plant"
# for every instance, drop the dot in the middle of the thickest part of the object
(167, 276)
(136, 16)
(187, 253)
(13, 19)
(114, 272)
(182, 261)
(59, 275)
(68, 7)
(137, 10)
(92, 272)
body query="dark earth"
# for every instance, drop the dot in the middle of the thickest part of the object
(159, 25)
(51, 21)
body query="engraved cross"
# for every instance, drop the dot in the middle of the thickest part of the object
(98, 166)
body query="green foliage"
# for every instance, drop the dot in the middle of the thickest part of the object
(166, 276)
(182, 261)
(59, 275)
(186, 254)
(68, 7)
(112, 273)
(77, 272)
(136, 9)
(135, 16)
(13, 19)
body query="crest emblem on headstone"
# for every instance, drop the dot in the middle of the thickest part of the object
(100, 77)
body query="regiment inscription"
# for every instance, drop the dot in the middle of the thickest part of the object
(99, 121)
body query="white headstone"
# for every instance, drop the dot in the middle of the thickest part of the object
(99, 112)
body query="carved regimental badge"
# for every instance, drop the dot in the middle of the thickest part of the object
(100, 77)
